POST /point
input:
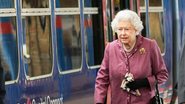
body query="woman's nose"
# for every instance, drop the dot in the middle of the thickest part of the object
(123, 32)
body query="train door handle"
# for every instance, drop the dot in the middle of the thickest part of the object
(25, 53)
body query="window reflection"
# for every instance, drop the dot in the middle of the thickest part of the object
(66, 3)
(35, 3)
(6, 3)
(155, 2)
(142, 3)
(87, 3)
(117, 6)
(89, 40)
(156, 29)
(37, 35)
(93, 40)
(155, 16)
(8, 47)
(68, 42)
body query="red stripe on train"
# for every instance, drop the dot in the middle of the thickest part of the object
(58, 22)
(5, 28)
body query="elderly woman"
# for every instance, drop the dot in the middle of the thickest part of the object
(131, 66)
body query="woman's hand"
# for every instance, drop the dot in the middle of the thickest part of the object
(139, 83)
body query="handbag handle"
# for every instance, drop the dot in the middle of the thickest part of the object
(156, 87)
(160, 100)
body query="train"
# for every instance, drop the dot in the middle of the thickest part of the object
(51, 50)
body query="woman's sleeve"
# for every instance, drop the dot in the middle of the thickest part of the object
(102, 79)
(159, 69)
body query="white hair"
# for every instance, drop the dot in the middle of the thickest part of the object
(127, 15)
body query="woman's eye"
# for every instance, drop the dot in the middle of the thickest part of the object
(119, 28)
(126, 29)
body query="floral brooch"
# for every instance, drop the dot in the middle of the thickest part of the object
(142, 51)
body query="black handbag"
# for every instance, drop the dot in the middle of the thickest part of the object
(157, 99)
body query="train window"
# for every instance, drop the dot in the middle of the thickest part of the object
(152, 3)
(155, 2)
(155, 23)
(120, 5)
(142, 2)
(7, 4)
(94, 39)
(89, 40)
(87, 3)
(117, 6)
(156, 28)
(37, 35)
(107, 18)
(68, 42)
(35, 3)
(66, 3)
(8, 47)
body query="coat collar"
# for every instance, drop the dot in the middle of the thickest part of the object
(139, 41)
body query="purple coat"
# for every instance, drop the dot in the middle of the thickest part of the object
(145, 61)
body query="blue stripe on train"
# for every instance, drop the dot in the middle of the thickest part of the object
(8, 48)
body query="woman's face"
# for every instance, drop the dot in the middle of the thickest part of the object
(126, 33)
